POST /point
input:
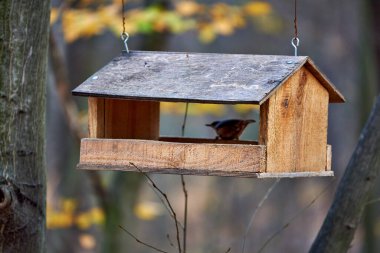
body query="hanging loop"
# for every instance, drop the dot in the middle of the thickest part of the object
(124, 38)
(295, 43)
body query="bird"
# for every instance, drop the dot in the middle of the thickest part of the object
(230, 129)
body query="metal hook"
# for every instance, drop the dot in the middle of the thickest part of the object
(124, 38)
(295, 43)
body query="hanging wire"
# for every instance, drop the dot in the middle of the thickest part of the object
(124, 35)
(295, 40)
(295, 20)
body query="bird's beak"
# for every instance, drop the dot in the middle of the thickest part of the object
(209, 125)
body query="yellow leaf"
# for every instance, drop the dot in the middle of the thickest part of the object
(188, 8)
(219, 10)
(83, 221)
(212, 109)
(258, 8)
(207, 34)
(148, 210)
(245, 108)
(68, 205)
(87, 241)
(97, 215)
(58, 220)
(223, 26)
(54, 14)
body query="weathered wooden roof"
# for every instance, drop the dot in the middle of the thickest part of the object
(197, 77)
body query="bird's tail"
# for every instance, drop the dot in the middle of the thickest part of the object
(250, 121)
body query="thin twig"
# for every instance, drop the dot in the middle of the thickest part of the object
(167, 202)
(184, 120)
(164, 203)
(287, 224)
(373, 201)
(184, 185)
(228, 250)
(185, 213)
(143, 243)
(170, 240)
(257, 209)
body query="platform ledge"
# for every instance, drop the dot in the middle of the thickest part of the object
(295, 174)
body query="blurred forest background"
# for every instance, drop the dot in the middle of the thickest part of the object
(85, 209)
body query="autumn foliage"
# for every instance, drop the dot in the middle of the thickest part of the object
(209, 21)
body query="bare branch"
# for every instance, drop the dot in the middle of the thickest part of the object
(170, 240)
(287, 224)
(185, 213)
(257, 209)
(184, 120)
(141, 242)
(164, 203)
(184, 186)
(167, 202)
(372, 201)
(353, 191)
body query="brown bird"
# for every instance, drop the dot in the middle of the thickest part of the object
(230, 129)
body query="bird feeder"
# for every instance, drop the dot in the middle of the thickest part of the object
(124, 111)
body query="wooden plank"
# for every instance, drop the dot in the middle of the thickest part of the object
(191, 77)
(203, 140)
(132, 119)
(328, 158)
(334, 95)
(170, 157)
(96, 117)
(294, 125)
(312, 134)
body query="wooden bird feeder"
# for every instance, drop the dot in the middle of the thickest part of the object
(124, 112)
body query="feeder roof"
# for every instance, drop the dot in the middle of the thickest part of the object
(197, 77)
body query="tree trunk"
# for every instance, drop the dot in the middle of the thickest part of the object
(24, 28)
(353, 191)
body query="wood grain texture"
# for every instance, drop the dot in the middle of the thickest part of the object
(195, 77)
(96, 117)
(132, 119)
(294, 125)
(170, 157)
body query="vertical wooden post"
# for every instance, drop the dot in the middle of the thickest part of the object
(96, 117)
(124, 119)
(293, 125)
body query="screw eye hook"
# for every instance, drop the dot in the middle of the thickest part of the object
(295, 43)
(124, 37)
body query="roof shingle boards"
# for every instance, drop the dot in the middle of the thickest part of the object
(192, 77)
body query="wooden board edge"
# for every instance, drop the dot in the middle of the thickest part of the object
(295, 174)
(334, 93)
(175, 171)
(328, 158)
(207, 172)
